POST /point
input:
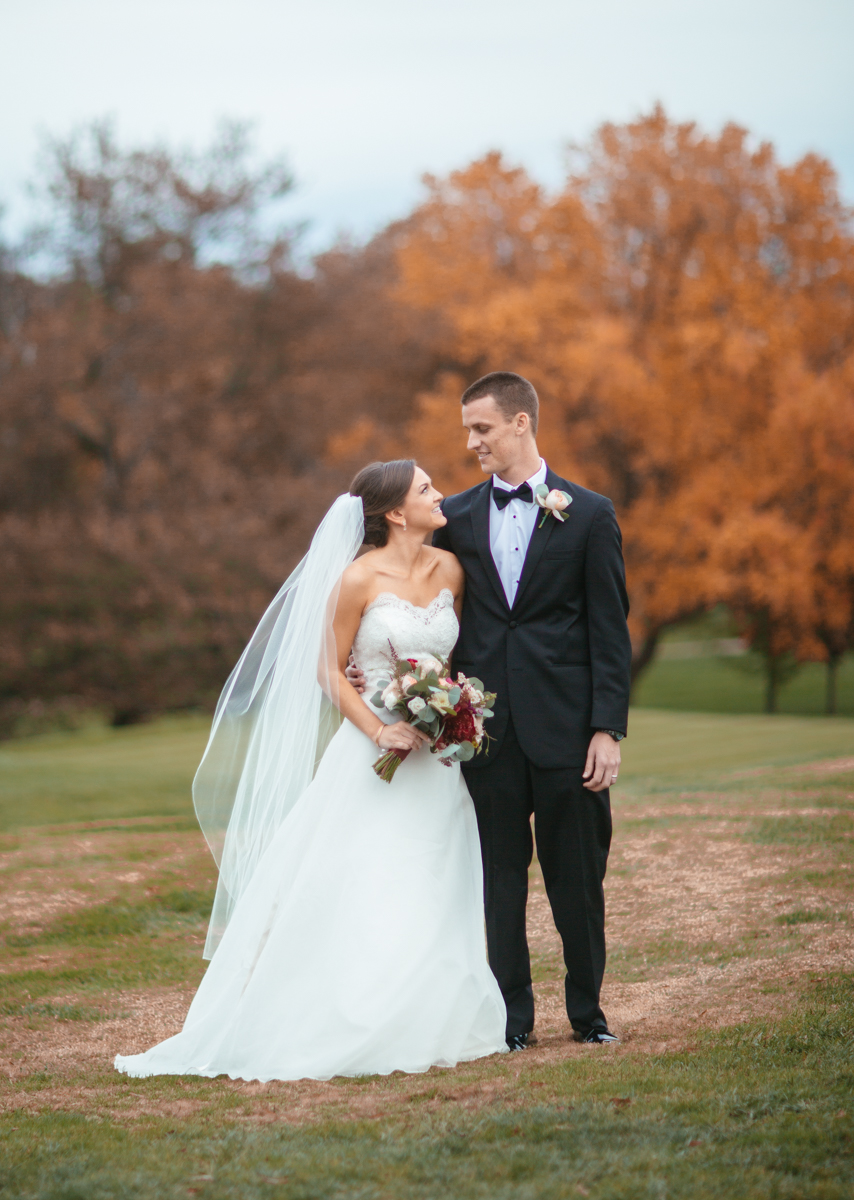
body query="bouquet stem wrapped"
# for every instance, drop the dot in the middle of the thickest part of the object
(387, 764)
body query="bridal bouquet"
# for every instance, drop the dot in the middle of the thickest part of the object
(450, 713)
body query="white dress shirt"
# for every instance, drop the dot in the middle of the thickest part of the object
(510, 530)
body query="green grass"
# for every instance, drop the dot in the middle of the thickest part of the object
(762, 1109)
(805, 831)
(686, 745)
(146, 771)
(101, 773)
(133, 942)
(55, 1012)
(759, 1110)
(805, 916)
(729, 685)
(103, 924)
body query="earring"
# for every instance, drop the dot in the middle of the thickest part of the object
(404, 524)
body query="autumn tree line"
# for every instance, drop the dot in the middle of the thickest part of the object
(181, 395)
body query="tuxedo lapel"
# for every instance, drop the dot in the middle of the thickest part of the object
(539, 541)
(480, 526)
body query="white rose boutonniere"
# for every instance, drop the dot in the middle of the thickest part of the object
(553, 502)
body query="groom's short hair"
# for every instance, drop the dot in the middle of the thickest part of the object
(511, 393)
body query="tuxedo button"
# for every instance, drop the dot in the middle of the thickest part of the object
(513, 624)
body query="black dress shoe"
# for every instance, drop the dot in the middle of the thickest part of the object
(596, 1037)
(517, 1041)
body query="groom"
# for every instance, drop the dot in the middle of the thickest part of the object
(544, 626)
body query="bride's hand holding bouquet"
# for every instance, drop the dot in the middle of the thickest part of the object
(400, 738)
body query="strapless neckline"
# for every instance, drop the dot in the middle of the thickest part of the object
(386, 597)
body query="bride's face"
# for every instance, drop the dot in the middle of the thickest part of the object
(421, 509)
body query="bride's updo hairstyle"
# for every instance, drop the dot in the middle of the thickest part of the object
(382, 486)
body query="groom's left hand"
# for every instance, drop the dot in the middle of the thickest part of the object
(603, 762)
(355, 675)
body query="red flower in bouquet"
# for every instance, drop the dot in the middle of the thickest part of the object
(458, 728)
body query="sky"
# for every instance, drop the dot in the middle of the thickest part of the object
(363, 96)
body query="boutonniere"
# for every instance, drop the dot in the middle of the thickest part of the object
(553, 502)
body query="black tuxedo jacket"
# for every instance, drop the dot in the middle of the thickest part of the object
(559, 659)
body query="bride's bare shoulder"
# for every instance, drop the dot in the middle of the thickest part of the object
(359, 573)
(356, 582)
(448, 568)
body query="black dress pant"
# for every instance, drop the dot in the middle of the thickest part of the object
(573, 830)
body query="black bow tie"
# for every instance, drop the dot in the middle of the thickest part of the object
(502, 498)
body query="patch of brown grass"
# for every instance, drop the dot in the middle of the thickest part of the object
(694, 937)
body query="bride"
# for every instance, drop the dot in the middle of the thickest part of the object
(347, 933)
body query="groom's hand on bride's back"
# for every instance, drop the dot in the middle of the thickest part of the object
(355, 675)
(603, 762)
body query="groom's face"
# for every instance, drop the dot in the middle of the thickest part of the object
(494, 438)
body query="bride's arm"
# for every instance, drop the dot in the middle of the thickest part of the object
(345, 626)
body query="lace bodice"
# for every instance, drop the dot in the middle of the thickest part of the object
(409, 629)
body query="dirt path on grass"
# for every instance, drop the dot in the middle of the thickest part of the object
(721, 905)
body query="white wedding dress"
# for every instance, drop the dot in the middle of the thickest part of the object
(358, 945)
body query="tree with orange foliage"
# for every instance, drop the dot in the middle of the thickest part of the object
(178, 403)
(672, 304)
(790, 554)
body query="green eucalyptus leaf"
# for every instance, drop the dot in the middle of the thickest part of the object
(465, 751)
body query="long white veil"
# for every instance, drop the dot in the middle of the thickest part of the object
(275, 716)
